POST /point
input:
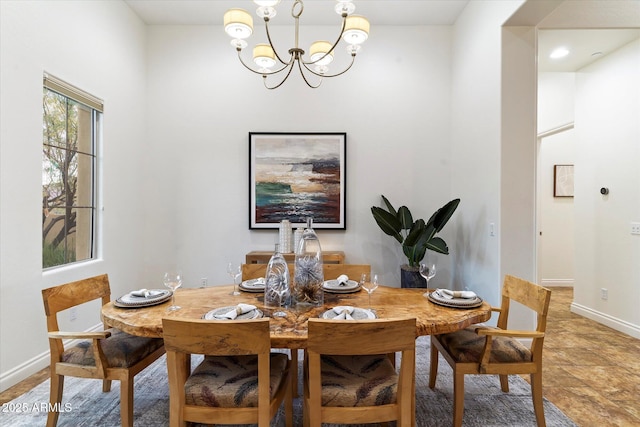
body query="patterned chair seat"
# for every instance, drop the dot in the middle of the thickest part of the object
(365, 380)
(466, 346)
(121, 350)
(232, 381)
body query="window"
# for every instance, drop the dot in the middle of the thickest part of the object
(70, 134)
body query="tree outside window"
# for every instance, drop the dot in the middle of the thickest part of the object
(68, 179)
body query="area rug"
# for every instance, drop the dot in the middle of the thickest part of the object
(84, 403)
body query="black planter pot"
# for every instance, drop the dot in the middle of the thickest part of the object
(410, 278)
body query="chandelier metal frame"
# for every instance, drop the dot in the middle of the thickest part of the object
(320, 59)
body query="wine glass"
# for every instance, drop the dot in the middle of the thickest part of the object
(280, 287)
(370, 284)
(234, 271)
(428, 270)
(173, 280)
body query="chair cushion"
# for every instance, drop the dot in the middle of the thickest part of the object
(232, 381)
(121, 350)
(366, 380)
(466, 346)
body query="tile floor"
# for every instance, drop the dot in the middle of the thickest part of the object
(591, 372)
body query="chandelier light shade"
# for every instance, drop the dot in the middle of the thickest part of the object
(238, 24)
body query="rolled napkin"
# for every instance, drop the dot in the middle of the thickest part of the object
(343, 312)
(145, 293)
(342, 280)
(456, 294)
(236, 311)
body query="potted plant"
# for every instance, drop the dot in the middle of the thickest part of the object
(414, 236)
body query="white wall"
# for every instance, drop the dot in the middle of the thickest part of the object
(476, 145)
(608, 131)
(202, 104)
(99, 47)
(556, 99)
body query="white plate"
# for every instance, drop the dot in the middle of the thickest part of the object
(333, 285)
(436, 298)
(128, 300)
(253, 314)
(253, 284)
(341, 291)
(358, 314)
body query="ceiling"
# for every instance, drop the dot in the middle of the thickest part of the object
(582, 43)
(316, 12)
(585, 46)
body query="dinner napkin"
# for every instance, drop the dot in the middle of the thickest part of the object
(145, 293)
(343, 312)
(456, 294)
(236, 311)
(342, 280)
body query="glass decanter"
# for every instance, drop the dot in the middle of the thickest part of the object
(308, 271)
(276, 289)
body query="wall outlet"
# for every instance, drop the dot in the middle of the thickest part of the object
(604, 293)
(635, 228)
(203, 282)
(73, 314)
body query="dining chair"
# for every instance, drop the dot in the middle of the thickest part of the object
(488, 350)
(108, 355)
(239, 380)
(349, 375)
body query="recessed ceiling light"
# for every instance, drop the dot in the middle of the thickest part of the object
(559, 52)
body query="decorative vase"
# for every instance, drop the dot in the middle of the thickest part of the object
(285, 236)
(308, 272)
(410, 277)
(277, 275)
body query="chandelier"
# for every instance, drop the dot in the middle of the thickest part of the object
(238, 24)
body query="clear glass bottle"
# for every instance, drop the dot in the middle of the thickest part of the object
(308, 271)
(276, 280)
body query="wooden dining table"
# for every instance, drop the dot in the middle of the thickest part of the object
(291, 331)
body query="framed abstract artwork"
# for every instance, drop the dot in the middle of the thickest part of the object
(563, 181)
(294, 176)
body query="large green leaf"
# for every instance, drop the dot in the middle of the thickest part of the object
(390, 207)
(436, 244)
(388, 223)
(440, 218)
(405, 218)
(415, 233)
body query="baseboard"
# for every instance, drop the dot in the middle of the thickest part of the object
(26, 369)
(550, 283)
(610, 321)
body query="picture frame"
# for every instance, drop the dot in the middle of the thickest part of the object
(563, 181)
(293, 176)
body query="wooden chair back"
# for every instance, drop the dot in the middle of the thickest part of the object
(365, 337)
(72, 294)
(183, 337)
(331, 271)
(529, 294)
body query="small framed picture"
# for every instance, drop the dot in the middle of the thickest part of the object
(563, 181)
(294, 176)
